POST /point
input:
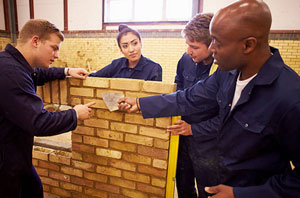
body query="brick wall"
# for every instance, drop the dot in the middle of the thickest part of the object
(113, 154)
(3, 42)
(165, 48)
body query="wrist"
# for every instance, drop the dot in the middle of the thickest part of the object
(137, 103)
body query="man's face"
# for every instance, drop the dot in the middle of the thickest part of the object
(225, 47)
(47, 51)
(198, 51)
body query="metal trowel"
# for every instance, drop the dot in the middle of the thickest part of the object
(110, 99)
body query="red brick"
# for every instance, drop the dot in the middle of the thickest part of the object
(107, 187)
(60, 192)
(152, 171)
(153, 152)
(59, 176)
(48, 165)
(95, 159)
(95, 193)
(84, 130)
(82, 182)
(83, 148)
(150, 189)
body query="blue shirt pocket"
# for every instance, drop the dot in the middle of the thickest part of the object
(247, 122)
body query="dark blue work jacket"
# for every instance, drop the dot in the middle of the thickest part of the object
(258, 138)
(146, 69)
(21, 111)
(188, 73)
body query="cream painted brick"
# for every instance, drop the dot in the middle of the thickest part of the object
(158, 182)
(150, 189)
(136, 177)
(122, 182)
(163, 122)
(55, 92)
(134, 193)
(60, 159)
(95, 177)
(138, 94)
(137, 139)
(49, 181)
(137, 158)
(154, 132)
(123, 146)
(76, 156)
(158, 87)
(109, 134)
(95, 193)
(75, 82)
(40, 155)
(108, 171)
(162, 164)
(95, 141)
(99, 103)
(129, 128)
(96, 123)
(63, 92)
(163, 144)
(75, 101)
(125, 84)
(76, 91)
(83, 165)
(96, 82)
(84, 130)
(72, 187)
(138, 119)
(71, 171)
(120, 164)
(104, 114)
(108, 153)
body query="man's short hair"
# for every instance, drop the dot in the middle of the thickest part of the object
(197, 29)
(41, 28)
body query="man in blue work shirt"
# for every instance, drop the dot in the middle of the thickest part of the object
(22, 113)
(196, 156)
(257, 98)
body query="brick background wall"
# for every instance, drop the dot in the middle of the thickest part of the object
(166, 49)
(113, 154)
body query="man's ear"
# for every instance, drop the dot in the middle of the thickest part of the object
(249, 44)
(35, 41)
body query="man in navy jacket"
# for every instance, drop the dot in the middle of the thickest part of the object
(257, 98)
(22, 113)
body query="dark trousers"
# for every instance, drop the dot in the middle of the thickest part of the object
(25, 185)
(197, 159)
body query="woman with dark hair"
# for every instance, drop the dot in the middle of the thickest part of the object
(134, 65)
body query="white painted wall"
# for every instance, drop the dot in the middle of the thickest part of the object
(85, 15)
(52, 11)
(285, 13)
(2, 16)
(23, 11)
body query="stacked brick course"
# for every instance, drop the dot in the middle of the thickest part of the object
(114, 154)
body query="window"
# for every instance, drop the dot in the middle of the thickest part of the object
(118, 11)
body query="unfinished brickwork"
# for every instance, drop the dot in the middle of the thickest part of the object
(114, 154)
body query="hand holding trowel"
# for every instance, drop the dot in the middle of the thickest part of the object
(110, 99)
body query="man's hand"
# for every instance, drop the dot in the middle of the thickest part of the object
(180, 127)
(128, 104)
(79, 73)
(220, 191)
(83, 111)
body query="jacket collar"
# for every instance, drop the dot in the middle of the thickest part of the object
(139, 67)
(271, 69)
(19, 57)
